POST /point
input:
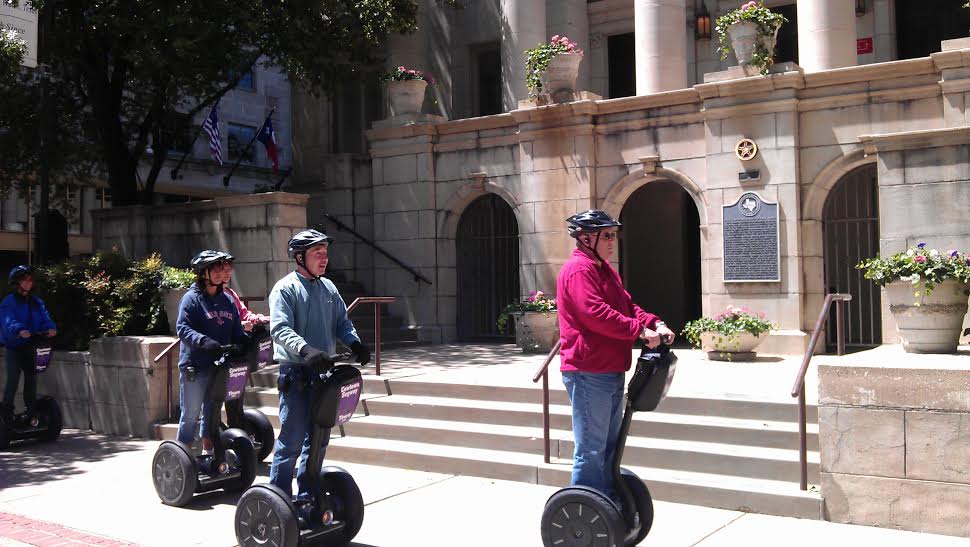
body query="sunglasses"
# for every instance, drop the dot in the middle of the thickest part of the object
(610, 236)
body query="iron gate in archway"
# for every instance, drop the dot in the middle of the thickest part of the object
(850, 226)
(488, 267)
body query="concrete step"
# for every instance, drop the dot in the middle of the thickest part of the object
(530, 414)
(745, 494)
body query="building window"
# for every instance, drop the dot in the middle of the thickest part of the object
(247, 82)
(487, 87)
(357, 104)
(921, 26)
(239, 137)
(102, 198)
(786, 48)
(178, 133)
(622, 63)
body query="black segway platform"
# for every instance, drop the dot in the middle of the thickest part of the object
(582, 516)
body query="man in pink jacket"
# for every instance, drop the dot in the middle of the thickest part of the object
(598, 325)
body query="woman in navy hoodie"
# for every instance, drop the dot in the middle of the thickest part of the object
(208, 324)
(22, 315)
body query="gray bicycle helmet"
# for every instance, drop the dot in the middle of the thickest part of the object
(203, 260)
(306, 239)
(589, 222)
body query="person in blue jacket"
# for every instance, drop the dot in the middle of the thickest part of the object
(307, 317)
(22, 316)
(208, 324)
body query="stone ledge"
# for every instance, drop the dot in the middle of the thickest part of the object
(887, 377)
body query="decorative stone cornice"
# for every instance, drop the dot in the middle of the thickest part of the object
(911, 140)
(877, 71)
(643, 102)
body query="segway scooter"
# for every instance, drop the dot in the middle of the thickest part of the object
(584, 516)
(46, 422)
(253, 421)
(232, 465)
(266, 515)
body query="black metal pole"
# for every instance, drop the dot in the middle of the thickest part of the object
(280, 183)
(225, 179)
(175, 172)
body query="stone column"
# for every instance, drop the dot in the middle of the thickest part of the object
(569, 18)
(826, 34)
(523, 27)
(661, 45)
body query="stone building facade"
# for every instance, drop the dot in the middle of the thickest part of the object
(241, 113)
(862, 153)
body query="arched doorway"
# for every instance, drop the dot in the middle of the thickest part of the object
(488, 267)
(850, 227)
(660, 252)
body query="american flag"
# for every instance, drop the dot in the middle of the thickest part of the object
(211, 128)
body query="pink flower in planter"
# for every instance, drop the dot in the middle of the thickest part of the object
(749, 5)
(920, 258)
(555, 39)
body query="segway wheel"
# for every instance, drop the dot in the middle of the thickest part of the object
(174, 474)
(641, 496)
(578, 516)
(261, 432)
(50, 413)
(240, 443)
(265, 516)
(349, 503)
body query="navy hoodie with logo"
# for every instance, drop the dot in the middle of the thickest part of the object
(205, 323)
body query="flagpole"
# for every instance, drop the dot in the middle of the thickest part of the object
(175, 172)
(280, 183)
(225, 179)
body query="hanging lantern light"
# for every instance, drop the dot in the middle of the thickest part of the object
(702, 27)
(860, 8)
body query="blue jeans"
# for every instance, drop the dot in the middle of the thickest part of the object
(294, 441)
(192, 422)
(19, 360)
(597, 401)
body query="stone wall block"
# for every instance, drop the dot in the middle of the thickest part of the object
(862, 441)
(938, 446)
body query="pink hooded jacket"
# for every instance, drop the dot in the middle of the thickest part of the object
(245, 314)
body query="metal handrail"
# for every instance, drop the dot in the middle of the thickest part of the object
(798, 390)
(377, 301)
(543, 373)
(341, 226)
(167, 352)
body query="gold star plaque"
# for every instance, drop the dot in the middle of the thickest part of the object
(746, 150)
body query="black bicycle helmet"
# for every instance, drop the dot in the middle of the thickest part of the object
(207, 258)
(306, 239)
(18, 272)
(589, 222)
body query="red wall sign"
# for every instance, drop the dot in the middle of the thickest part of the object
(863, 46)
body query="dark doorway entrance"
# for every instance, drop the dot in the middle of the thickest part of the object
(621, 65)
(850, 226)
(922, 25)
(660, 252)
(488, 267)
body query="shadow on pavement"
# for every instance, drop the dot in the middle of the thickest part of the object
(34, 463)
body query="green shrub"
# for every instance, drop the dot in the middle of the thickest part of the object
(107, 295)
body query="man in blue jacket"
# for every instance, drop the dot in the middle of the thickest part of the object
(22, 316)
(307, 317)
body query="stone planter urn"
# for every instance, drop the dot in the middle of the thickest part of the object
(406, 96)
(560, 76)
(536, 332)
(172, 298)
(744, 36)
(739, 347)
(935, 325)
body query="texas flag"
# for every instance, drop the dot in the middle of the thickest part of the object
(268, 137)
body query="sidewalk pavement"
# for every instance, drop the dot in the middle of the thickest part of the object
(88, 489)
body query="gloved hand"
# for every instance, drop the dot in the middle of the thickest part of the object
(209, 344)
(316, 359)
(232, 350)
(362, 352)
